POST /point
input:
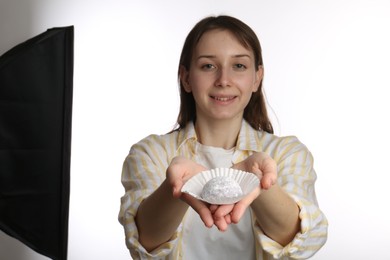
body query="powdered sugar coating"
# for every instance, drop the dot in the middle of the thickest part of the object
(221, 187)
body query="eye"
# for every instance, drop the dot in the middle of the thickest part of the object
(240, 66)
(208, 66)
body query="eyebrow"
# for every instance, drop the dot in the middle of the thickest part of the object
(214, 56)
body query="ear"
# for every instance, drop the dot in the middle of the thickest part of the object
(258, 78)
(184, 79)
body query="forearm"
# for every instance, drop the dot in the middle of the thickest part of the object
(158, 217)
(277, 214)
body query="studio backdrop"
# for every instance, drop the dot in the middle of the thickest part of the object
(36, 85)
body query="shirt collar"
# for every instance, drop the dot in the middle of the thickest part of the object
(248, 137)
(187, 133)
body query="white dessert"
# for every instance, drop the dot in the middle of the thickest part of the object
(221, 187)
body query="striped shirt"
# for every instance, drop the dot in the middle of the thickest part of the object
(145, 167)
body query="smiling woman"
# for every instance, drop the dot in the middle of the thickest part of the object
(220, 75)
(250, 59)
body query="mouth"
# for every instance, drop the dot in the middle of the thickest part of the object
(224, 98)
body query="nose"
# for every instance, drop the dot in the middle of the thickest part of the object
(223, 78)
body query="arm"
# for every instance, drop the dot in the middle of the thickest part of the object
(143, 174)
(292, 195)
(277, 215)
(276, 212)
(296, 178)
(158, 217)
(161, 213)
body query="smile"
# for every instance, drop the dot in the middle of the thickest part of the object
(223, 99)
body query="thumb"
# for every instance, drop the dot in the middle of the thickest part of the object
(176, 188)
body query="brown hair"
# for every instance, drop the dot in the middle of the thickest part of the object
(255, 112)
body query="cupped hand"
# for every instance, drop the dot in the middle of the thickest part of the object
(178, 172)
(263, 166)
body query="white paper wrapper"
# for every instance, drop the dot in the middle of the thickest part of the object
(247, 181)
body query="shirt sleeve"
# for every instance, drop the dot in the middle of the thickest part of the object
(143, 171)
(297, 177)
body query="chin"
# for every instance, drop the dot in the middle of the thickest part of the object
(226, 117)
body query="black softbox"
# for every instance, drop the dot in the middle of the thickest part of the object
(36, 85)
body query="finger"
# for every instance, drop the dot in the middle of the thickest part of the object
(201, 208)
(228, 218)
(221, 223)
(241, 206)
(174, 180)
(267, 181)
(238, 212)
(213, 208)
(239, 166)
(223, 210)
(269, 169)
(256, 170)
(176, 188)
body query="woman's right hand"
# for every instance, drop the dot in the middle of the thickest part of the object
(179, 172)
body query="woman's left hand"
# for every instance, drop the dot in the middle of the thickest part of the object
(265, 168)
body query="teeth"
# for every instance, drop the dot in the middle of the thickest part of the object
(223, 98)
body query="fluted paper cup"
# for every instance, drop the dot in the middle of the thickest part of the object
(247, 181)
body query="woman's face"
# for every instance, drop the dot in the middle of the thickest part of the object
(222, 76)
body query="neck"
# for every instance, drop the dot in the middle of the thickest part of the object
(218, 134)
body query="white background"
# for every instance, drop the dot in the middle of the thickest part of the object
(327, 70)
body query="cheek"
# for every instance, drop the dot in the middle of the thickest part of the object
(198, 82)
(249, 85)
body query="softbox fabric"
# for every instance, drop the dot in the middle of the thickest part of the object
(36, 85)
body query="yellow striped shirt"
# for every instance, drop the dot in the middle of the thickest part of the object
(144, 170)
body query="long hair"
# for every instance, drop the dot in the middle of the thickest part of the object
(255, 112)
